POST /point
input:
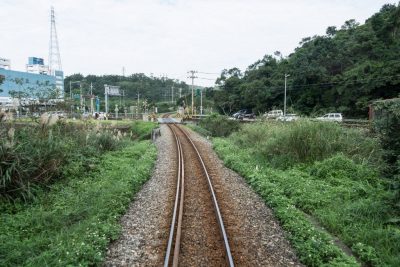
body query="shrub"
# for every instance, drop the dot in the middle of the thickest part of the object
(283, 145)
(33, 156)
(72, 223)
(142, 130)
(219, 125)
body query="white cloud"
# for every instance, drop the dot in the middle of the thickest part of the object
(166, 36)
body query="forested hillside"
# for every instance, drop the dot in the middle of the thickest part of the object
(341, 71)
(154, 89)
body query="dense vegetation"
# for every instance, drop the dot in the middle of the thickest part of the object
(329, 173)
(153, 89)
(39, 154)
(341, 71)
(72, 224)
(65, 213)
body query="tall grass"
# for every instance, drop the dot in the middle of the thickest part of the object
(36, 155)
(72, 223)
(328, 172)
(219, 125)
(284, 145)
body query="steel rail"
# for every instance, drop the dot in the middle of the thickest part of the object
(175, 213)
(214, 198)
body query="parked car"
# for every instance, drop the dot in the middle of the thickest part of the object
(288, 117)
(243, 113)
(247, 115)
(335, 117)
(273, 114)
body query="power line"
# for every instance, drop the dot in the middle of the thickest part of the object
(201, 78)
(293, 87)
(211, 73)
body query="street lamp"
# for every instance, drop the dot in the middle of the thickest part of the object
(284, 101)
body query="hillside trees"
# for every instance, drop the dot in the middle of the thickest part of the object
(154, 89)
(342, 71)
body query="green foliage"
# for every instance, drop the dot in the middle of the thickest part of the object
(153, 89)
(284, 145)
(199, 130)
(142, 130)
(219, 125)
(387, 124)
(340, 188)
(35, 156)
(72, 223)
(313, 247)
(341, 71)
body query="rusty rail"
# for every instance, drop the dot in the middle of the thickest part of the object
(179, 197)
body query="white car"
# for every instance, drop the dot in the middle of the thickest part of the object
(288, 117)
(273, 114)
(335, 117)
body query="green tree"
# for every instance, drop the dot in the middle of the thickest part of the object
(342, 71)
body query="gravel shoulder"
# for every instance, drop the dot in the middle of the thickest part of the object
(146, 224)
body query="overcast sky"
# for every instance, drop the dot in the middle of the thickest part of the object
(167, 36)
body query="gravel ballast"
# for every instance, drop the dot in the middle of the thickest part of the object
(258, 239)
(146, 224)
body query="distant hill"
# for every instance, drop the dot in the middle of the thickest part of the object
(153, 89)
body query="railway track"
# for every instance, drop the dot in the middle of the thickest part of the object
(197, 234)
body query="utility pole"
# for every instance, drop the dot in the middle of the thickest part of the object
(138, 95)
(106, 97)
(284, 101)
(91, 99)
(201, 102)
(80, 94)
(192, 76)
(180, 92)
(172, 94)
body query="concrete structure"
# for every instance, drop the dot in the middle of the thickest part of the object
(5, 63)
(36, 65)
(32, 84)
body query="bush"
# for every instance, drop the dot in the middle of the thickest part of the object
(142, 130)
(314, 248)
(34, 155)
(340, 188)
(284, 145)
(219, 125)
(72, 223)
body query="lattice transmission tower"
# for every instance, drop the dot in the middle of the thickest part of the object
(54, 51)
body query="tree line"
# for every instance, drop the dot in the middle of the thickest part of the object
(342, 71)
(153, 89)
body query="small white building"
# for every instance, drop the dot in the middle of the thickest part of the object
(8, 103)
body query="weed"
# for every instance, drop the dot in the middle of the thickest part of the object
(219, 125)
(72, 223)
(284, 145)
(330, 173)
